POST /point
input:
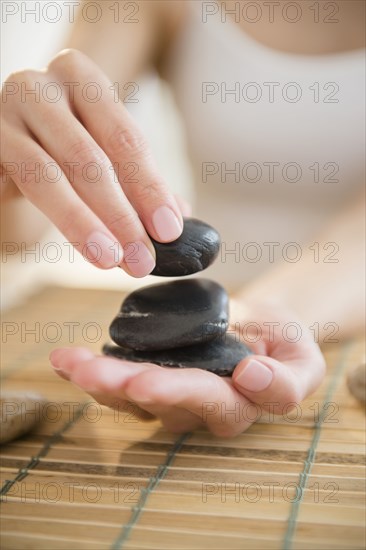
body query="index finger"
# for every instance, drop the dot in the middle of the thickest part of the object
(115, 131)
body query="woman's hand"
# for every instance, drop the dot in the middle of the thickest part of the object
(75, 152)
(278, 376)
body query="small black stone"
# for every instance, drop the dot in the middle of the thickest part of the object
(193, 251)
(170, 315)
(219, 356)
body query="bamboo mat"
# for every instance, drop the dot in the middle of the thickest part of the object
(88, 477)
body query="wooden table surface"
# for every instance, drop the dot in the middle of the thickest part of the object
(91, 478)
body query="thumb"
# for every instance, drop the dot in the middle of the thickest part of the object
(271, 384)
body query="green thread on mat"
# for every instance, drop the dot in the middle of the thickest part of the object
(309, 461)
(34, 461)
(153, 482)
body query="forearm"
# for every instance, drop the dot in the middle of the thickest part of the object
(324, 290)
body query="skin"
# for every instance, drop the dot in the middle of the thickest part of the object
(125, 213)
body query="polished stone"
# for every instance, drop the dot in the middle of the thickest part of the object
(219, 356)
(193, 251)
(19, 413)
(169, 315)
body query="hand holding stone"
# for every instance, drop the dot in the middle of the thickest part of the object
(186, 399)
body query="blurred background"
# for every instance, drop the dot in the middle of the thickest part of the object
(32, 45)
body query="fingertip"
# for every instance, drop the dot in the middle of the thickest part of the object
(55, 356)
(274, 385)
(253, 375)
(139, 259)
(167, 223)
(65, 359)
(102, 250)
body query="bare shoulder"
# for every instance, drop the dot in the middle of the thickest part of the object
(129, 35)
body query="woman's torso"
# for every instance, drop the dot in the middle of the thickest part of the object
(276, 139)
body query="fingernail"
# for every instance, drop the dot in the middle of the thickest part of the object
(56, 367)
(166, 224)
(255, 377)
(103, 250)
(55, 357)
(140, 261)
(60, 373)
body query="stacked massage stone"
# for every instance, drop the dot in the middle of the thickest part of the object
(182, 323)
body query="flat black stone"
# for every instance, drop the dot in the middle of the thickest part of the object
(219, 356)
(171, 315)
(193, 251)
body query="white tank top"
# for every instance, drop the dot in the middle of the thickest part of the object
(276, 141)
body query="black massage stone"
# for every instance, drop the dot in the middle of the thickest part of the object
(219, 356)
(193, 251)
(171, 315)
